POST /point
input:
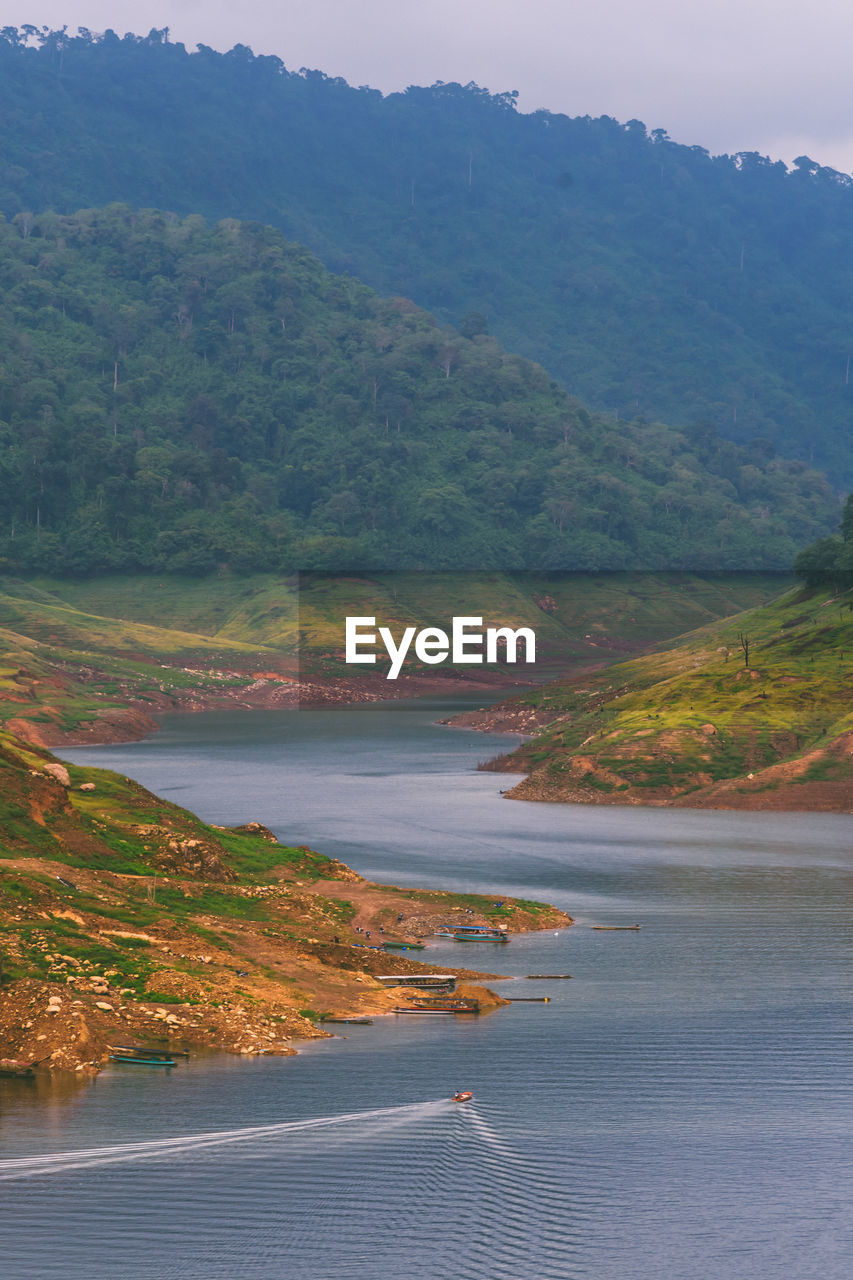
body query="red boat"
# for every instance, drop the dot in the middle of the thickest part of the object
(462, 1096)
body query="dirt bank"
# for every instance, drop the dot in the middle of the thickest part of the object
(248, 968)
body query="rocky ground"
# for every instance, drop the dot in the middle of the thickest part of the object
(126, 920)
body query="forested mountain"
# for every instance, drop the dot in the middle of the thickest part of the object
(174, 396)
(647, 277)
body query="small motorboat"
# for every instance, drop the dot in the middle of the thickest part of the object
(464, 1095)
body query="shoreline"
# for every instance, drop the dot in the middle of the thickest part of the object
(126, 919)
(136, 720)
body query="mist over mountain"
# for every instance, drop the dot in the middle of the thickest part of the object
(647, 277)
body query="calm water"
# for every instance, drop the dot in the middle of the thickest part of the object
(681, 1109)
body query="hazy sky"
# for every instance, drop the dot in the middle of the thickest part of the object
(731, 75)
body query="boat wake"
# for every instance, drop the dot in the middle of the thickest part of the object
(189, 1144)
(461, 1189)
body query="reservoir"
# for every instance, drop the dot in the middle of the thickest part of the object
(682, 1107)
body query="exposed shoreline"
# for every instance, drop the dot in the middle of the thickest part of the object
(127, 920)
(270, 692)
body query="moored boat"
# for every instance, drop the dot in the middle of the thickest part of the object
(427, 1005)
(139, 1056)
(18, 1070)
(475, 933)
(443, 982)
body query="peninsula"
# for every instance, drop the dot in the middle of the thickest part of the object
(125, 919)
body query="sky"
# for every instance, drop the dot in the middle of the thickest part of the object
(731, 75)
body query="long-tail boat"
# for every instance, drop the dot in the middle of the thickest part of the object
(475, 933)
(139, 1056)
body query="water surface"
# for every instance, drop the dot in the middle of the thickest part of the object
(682, 1107)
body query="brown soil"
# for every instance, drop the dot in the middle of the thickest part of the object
(239, 987)
(792, 786)
(266, 691)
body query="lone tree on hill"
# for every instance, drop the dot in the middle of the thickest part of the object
(744, 642)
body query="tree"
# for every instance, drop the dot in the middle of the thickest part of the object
(744, 641)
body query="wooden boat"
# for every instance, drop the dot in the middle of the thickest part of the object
(150, 1053)
(14, 1069)
(445, 982)
(464, 1095)
(140, 1057)
(551, 976)
(403, 946)
(357, 1022)
(440, 1006)
(475, 933)
(621, 927)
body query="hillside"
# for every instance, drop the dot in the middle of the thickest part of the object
(124, 919)
(182, 398)
(647, 277)
(698, 726)
(96, 659)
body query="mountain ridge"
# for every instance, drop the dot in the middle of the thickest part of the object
(647, 276)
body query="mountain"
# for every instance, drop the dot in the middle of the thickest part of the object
(647, 277)
(178, 397)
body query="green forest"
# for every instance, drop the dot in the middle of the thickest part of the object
(829, 561)
(176, 396)
(646, 277)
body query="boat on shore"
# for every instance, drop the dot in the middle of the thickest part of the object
(12, 1068)
(139, 1056)
(439, 982)
(475, 933)
(427, 1005)
(403, 946)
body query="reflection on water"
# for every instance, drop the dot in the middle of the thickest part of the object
(681, 1108)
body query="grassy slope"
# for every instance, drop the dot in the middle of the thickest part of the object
(70, 651)
(693, 725)
(115, 895)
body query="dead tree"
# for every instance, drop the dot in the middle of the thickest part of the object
(744, 642)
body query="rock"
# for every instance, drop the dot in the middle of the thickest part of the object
(59, 772)
(104, 1004)
(708, 729)
(87, 786)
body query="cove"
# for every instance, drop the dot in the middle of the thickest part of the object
(681, 1107)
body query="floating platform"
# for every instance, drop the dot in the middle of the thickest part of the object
(423, 981)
